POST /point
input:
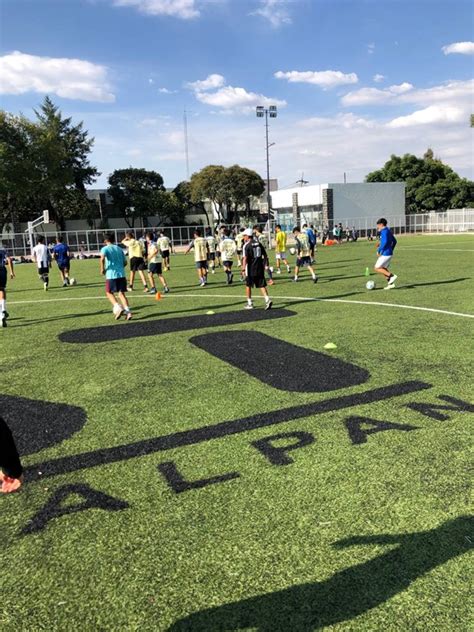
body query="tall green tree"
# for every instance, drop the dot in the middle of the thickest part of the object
(210, 184)
(135, 193)
(430, 184)
(242, 184)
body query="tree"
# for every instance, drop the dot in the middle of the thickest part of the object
(430, 184)
(227, 189)
(44, 164)
(183, 194)
(210, 184)
(134, 192)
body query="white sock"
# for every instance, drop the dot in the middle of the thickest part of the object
(249, 301)
(267, 299)
(126, 310)
(3, 305)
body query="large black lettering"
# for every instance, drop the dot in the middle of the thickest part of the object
(55, 508)
(281, 364)
(358, 434)
(179, 484)
(433, 410)
(278, 454)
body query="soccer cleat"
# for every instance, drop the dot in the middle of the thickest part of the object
(315, 279)
(45, 286)
(295, 280)
(268, 305)
(166, 290)
(65, 284)
(152, 290)
(278, 271)
(10, 485)
(3, 321)
(248, 306)
(118, 312)
(389, 287)
(392, 279)
(129, 288)
(128, 315)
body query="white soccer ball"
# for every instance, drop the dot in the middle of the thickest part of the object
(370, 285)
(72, 282)
(292, 251)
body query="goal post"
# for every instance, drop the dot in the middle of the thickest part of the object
(42, 219)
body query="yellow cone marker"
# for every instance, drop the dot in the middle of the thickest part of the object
(330, 345)
(210, 312)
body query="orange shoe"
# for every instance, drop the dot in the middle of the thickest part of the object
(10, 485)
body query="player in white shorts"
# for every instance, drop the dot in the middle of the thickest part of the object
(385, 251)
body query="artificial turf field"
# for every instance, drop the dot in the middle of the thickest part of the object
(154, 513)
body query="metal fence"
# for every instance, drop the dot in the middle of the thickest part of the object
(457, 221)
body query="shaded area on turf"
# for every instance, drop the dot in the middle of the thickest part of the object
(37, 425)
(217, 431)
(169, 325)
(348, 593)
(281, 364)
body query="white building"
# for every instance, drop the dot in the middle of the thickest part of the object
(357, 204)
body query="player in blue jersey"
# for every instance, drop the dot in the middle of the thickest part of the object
(62, 256)
(112, 264)
(5, 262)
(385, 251)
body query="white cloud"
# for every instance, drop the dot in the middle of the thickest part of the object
(323, 78)
(274, 11)
(462, 48)
(184, 9)
(434, 114)
(151, 81)
(230, 98)
(372, 96)
(67, 78)
(371, 48)
(211, 82)
(341, 121)
(378, 78)
(166, 91)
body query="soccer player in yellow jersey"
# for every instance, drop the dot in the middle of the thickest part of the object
(228, 249)
(280, 250)
(137, 261)
(303, 258)
(155, 264)
(201, 251)
(239, 238)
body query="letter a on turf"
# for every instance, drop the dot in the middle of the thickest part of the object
(359, 435)
(54, 507)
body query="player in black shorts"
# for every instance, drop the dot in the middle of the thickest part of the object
(11, 471)
(5, 261)
(254, 257)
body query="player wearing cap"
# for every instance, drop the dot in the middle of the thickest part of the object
(385, 251)
(201, 250)
(303, 258)
(253, 267)
(62, 256)
(155, 264)
(112, 264)
(263, 239)
(137, 261)
(5, 261)
(228, 249)
(42, 258)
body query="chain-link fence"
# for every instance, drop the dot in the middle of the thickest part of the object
(89, 242)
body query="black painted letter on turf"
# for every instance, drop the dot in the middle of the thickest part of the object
(432, 410)
(359, 435)
(278, 455)
(54, 507)
(178, 483)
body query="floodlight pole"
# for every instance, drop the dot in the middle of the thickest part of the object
(272, 112)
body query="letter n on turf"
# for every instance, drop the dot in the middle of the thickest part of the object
(358, 430)
(178, 483)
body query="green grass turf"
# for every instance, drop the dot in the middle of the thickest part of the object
(266, 542)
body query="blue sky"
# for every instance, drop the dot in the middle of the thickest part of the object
(354, 81)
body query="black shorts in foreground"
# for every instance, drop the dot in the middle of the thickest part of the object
(155, 268)
(138, 329)
(3, 278)
(137, 263)
(255, 281)
(43, 270)
(116, 285)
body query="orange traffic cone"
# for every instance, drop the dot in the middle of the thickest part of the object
(158, 296)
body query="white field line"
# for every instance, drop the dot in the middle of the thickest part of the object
(242, 299)
(435, 248)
